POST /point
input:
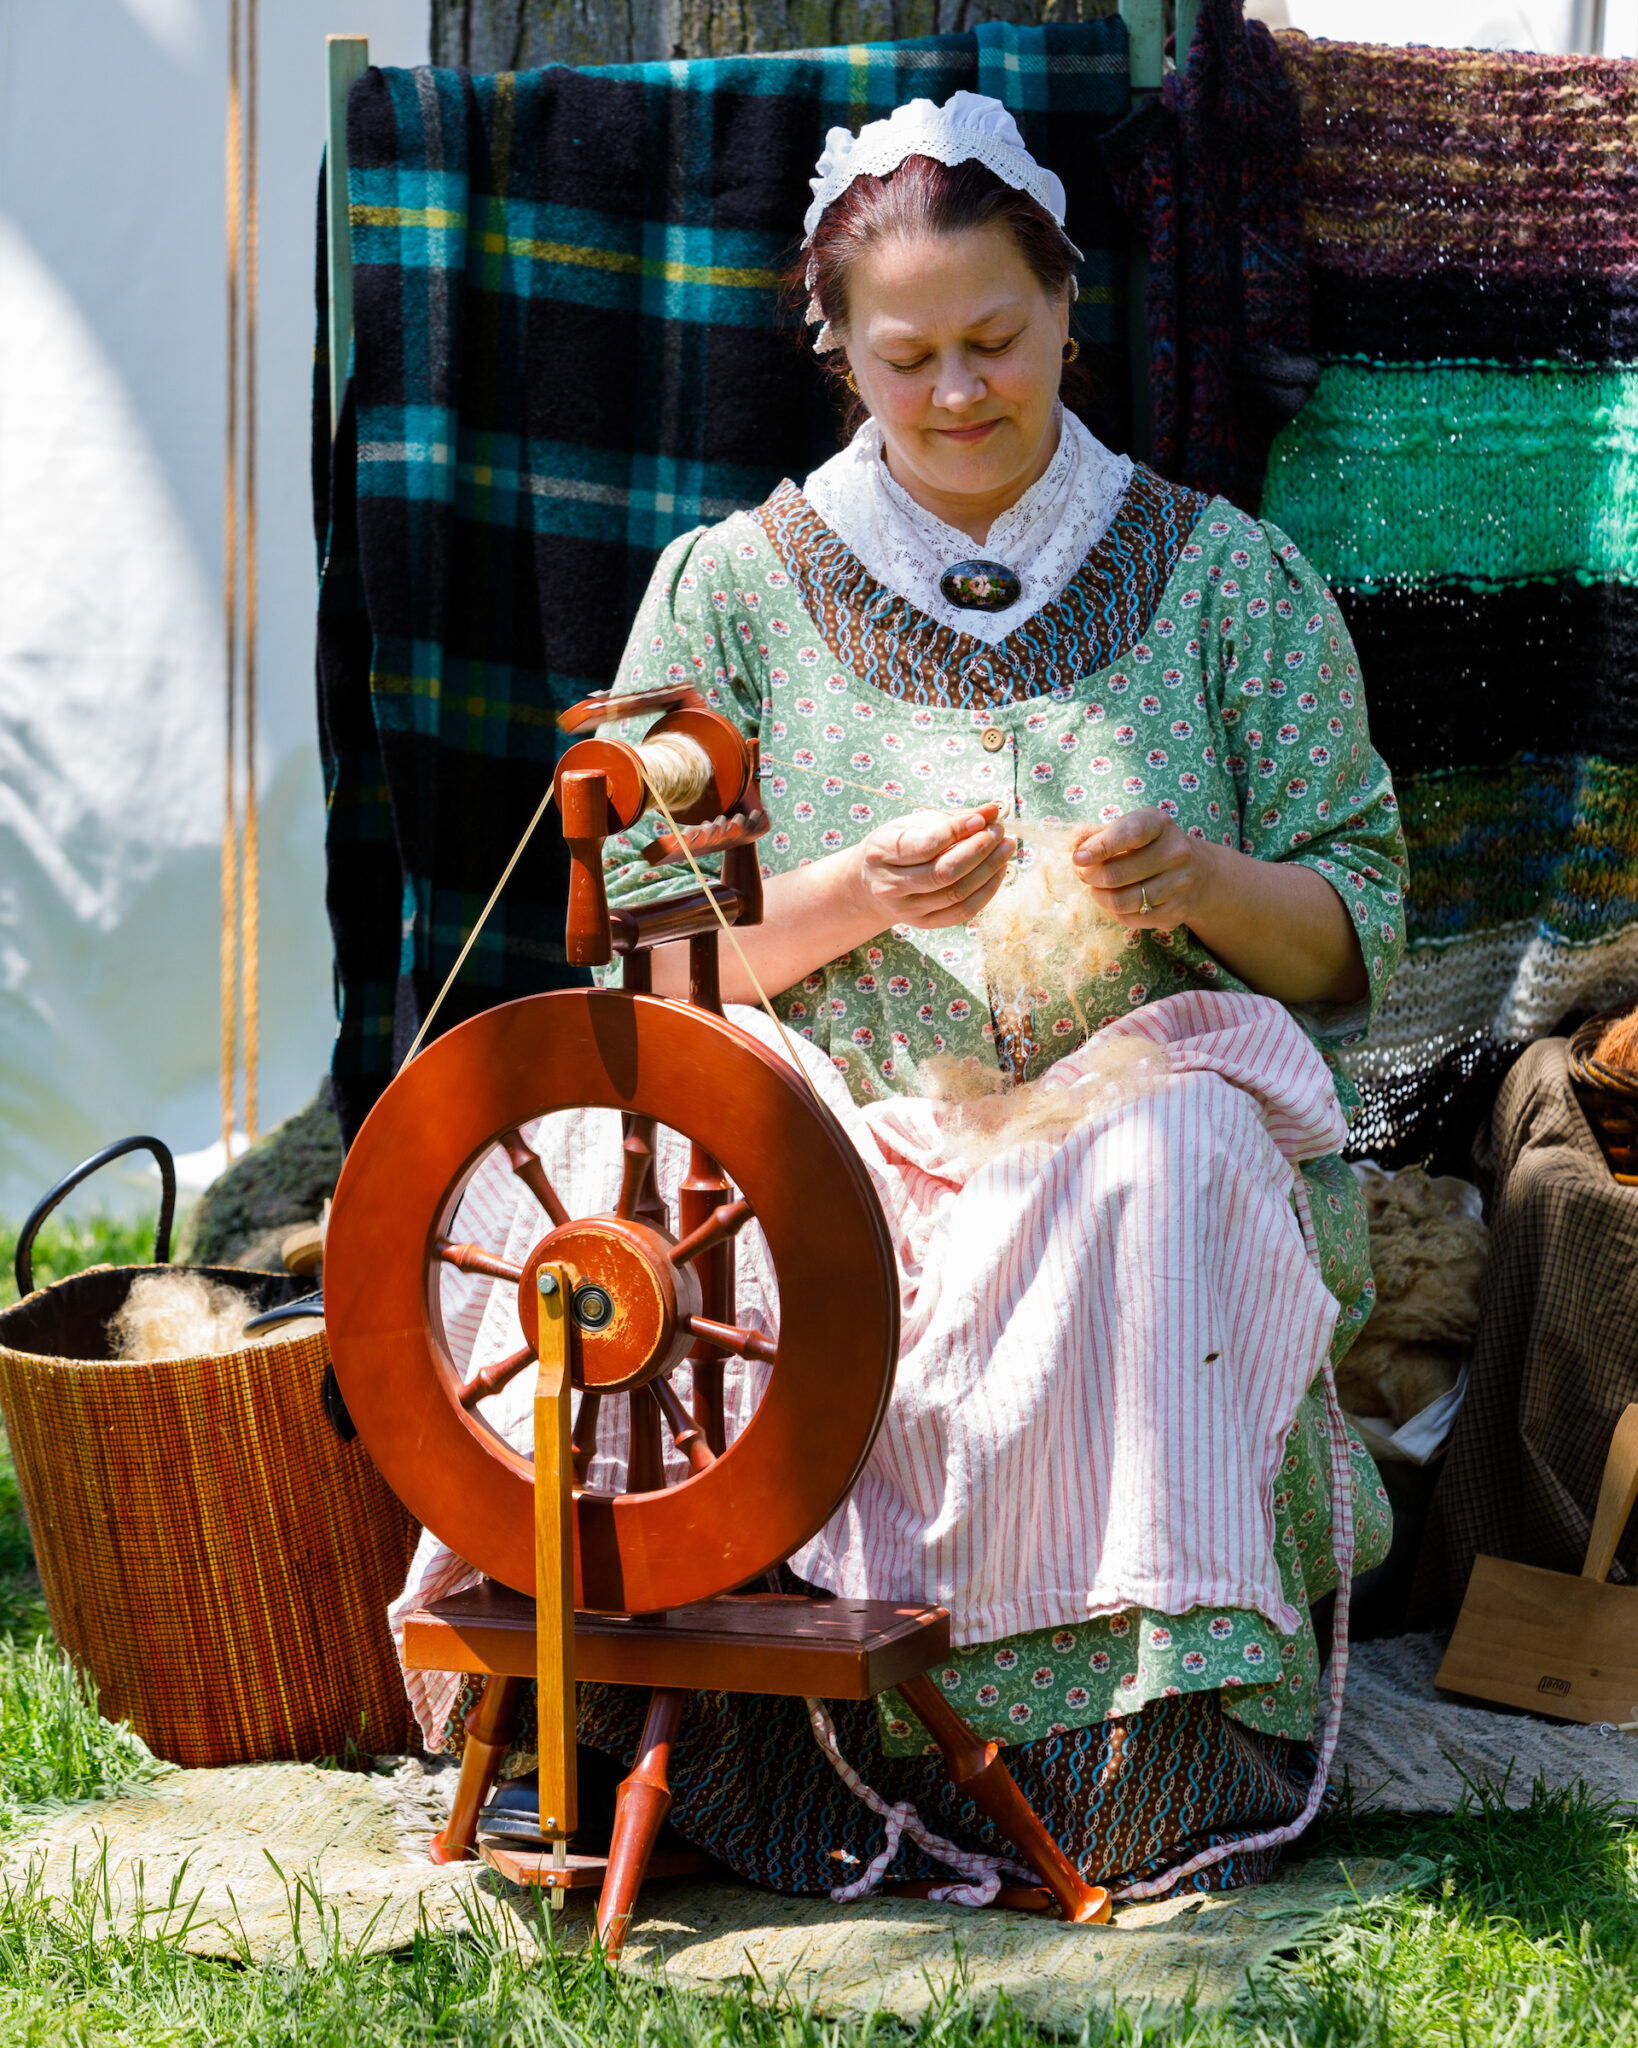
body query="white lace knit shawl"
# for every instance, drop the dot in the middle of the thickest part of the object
(1045, 537)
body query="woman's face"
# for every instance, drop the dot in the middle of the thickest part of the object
(958, 351)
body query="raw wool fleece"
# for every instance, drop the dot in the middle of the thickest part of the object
(1043, 924)
(178, 1315)
(1428, 1256)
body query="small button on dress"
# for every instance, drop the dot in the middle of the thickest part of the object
(993, 739)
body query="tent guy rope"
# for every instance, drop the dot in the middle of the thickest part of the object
(241, 863)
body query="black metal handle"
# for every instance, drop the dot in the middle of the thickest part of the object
(287, 1312)
(70, 1181)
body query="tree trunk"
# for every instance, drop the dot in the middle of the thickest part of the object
(515, 35)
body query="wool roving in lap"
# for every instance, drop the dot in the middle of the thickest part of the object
(1042, 926)
(990, 1115)
(178, 1315)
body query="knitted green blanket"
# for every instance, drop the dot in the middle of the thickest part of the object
(1466, 476)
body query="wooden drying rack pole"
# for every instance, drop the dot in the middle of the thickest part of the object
(346, 59)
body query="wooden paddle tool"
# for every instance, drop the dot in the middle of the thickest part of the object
(1539, 1639)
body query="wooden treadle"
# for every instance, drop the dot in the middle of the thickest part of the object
(790, 1644)
(581, 1873)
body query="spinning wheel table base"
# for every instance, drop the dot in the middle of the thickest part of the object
(768, 1643)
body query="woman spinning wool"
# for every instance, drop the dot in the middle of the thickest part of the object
(991, 663)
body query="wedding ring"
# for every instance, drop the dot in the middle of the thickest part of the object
(1144, 905)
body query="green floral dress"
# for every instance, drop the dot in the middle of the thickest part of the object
(1195, 663)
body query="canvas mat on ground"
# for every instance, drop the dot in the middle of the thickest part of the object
(258, 1860)
(1405, 1748)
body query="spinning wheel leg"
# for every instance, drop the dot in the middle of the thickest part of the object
(488, 1732)
(640, 1809)
(976, 1767)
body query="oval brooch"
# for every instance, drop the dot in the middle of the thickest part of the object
(980, 586)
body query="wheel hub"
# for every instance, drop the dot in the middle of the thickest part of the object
(628, 1303)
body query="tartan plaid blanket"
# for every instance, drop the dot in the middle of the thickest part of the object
(568, 349)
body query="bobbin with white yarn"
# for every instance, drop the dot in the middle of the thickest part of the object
(676, 768)
(694, 764)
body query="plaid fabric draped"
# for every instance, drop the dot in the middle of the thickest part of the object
(569, 348)
(1555, 1360)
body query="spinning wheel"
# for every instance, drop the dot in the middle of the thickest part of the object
(612, 1304)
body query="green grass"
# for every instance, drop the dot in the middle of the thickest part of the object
(53, 1742)
(1525, 1935)
(68, 1245)
(22, 1609)
(1526, 1932)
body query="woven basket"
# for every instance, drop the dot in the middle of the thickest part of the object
(1609, 1100)
(215, 1557)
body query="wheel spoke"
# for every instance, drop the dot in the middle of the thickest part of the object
(707, 1374)
(723, 1224)
(727, 1337)
(584, 1438)
(689, 1439)
(494, 1377)
(645, 1462)
(638, 1195)
(472, 1258)
(706, 1210)
(526, 1165)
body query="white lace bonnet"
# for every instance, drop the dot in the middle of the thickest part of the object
(970, 126)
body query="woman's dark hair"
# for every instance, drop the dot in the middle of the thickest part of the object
(924, 197)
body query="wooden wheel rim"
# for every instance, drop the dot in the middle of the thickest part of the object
(783, 1477)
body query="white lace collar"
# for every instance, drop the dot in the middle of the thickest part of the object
(1045, 537)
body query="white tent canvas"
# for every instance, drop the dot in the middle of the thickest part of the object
(112, 429)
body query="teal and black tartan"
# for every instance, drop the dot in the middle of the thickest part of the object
(569, 349)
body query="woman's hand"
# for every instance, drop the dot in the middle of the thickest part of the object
(929, 869)
(1277, 925)
(1146, 873)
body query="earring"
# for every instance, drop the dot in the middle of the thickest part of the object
(1072, 349)
(851, 385)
